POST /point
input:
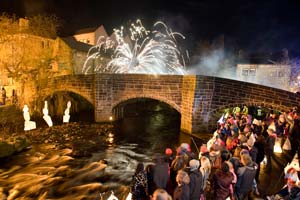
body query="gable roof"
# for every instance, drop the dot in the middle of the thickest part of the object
(74, 44)
(86, 30)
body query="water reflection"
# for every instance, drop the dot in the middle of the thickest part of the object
(46, 172)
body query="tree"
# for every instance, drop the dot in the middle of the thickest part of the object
(26, 51)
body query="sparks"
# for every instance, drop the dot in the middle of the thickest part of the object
(141, 52)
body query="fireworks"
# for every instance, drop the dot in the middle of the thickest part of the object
(141, 52)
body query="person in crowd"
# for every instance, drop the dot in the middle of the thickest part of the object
(160, 171)
(222, 180)
(169, 156)
(182, 191)
(295, 137)
(3, 95)
(139, 188)
(260, 144)
(161, 194)
(259, 113)
(245, 110)
(231, 169)
(246, 175)
(235, 159)
(177, 164)
(196, 180)
(151, 184)
(269, 149)
(14, 97)
(205, 170)
(169, 159)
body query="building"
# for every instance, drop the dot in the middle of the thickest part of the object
(72, 53)
(90, 35)
(270, 69)
(27, 59)
(272, 75)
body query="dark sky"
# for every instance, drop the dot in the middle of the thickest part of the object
(260, 25)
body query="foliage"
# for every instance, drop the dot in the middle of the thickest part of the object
(44, 25)
(27, 57)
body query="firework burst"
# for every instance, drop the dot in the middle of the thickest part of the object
(140, 52)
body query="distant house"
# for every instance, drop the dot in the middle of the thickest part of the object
(90, 35)
(260, 69)
(72, 53)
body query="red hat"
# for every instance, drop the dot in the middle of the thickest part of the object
(168, 151)
(203, 149)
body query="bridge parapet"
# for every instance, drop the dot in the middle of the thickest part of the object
(199, 99)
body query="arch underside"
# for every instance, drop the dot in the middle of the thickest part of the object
(164, 100)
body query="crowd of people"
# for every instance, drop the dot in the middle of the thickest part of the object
(228, 165)
(12, 100)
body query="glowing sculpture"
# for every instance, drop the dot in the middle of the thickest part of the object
(66, 117)
(28, 125)
(46, 117)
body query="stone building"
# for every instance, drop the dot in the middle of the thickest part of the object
(90, 35)
(272, 75)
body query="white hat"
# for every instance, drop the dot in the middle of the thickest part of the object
(194, 164)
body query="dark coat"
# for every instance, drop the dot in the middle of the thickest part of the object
(260, 145)
(221, 184)
(182, 192)
(245, 177)
(139, 186)
(270, 144)
(196, 185)
(161, 175)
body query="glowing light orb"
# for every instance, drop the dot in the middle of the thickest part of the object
(140, 51)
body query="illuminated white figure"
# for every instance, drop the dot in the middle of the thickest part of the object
(28, 125)
(112, 196)
(66, 117)
(142, 52)
(46, 117)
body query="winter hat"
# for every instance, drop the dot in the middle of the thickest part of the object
(168, 151)
(203, 149)
(186, 147)
(194, 164)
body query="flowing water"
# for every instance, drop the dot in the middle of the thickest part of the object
(48, 172)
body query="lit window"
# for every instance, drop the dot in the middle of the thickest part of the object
(43, 44)
(281, 73)
(252, 72)
(273, 74)
(245, 72)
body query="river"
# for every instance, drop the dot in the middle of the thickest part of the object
(51, 171)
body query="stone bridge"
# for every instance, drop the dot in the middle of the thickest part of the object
(199, 99)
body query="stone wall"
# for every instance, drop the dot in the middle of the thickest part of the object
(199, 99)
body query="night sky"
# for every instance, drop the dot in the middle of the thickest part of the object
(253, 25)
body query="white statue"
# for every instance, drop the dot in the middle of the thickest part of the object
(66, 117)
(28, 125)
(46, 117)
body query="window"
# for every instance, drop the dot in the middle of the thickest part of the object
(248, 72)
(245, 72)
(273, 74)
(43, 44)
(281, 73)
(252, 72)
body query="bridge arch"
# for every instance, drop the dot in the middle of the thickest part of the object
(153, 97)
(48, 92)
(57, 101)
(197, 98)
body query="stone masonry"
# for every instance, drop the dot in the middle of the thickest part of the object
(199, 99)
